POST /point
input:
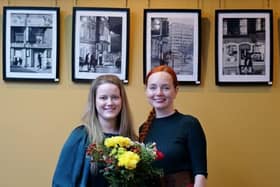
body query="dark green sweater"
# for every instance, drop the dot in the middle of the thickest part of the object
(182, 140)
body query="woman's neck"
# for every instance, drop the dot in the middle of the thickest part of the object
(162, 114)
(109, 126)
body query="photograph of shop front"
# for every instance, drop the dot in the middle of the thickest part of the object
(31, 43)
(244, 46)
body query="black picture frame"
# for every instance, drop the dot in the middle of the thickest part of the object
(172, 37)
(100, 43)
(31, 44)
(244, 47)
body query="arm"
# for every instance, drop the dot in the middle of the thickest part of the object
(198, 153)
(71, 162)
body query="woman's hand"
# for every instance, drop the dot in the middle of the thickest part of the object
(199, 181)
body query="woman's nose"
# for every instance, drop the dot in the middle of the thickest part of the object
(109, 100)
(158, 91)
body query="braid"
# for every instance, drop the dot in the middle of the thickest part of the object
(146, 126)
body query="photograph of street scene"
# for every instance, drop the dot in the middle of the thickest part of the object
(244, 45)
(172, 43)
(100, 44)
(31, 43)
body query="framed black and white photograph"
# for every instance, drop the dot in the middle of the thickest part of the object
(172, 37)
(30, 44)
(244, 47)
(100, 43)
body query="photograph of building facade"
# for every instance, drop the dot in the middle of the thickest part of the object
(100, 44)
(31, 43)
(172, 43)
(244, 46)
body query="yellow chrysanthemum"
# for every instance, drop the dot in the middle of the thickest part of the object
(118, 140)
(128, 159)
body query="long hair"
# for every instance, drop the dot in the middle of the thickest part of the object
(147, 124)
(90, 117)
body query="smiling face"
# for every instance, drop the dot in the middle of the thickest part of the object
(108, 102)
(161, 92)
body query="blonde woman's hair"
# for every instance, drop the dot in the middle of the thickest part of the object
(90, 117)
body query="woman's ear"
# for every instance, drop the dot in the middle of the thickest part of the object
(177, 89)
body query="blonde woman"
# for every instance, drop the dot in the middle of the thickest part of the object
(107, 114)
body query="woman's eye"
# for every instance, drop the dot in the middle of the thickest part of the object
(166, 88)
(103, 97)
(152, 88)
(115, 97)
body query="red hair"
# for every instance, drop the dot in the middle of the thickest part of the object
(147, 124)
(163, 68)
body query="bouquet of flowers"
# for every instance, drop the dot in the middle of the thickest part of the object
(126, 163)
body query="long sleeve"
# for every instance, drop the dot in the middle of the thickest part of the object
(197, 147)
(72, 169)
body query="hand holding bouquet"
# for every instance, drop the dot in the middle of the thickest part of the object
(126, 163)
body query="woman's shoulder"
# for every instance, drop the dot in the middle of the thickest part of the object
(187, 117)
(190, 123)
(78, 135)
(78, 131)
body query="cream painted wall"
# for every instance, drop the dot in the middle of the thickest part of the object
(241, 123)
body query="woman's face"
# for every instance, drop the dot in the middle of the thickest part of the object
(108, 102)
(161, 92)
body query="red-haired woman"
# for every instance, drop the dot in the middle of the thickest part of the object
(180, 137)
